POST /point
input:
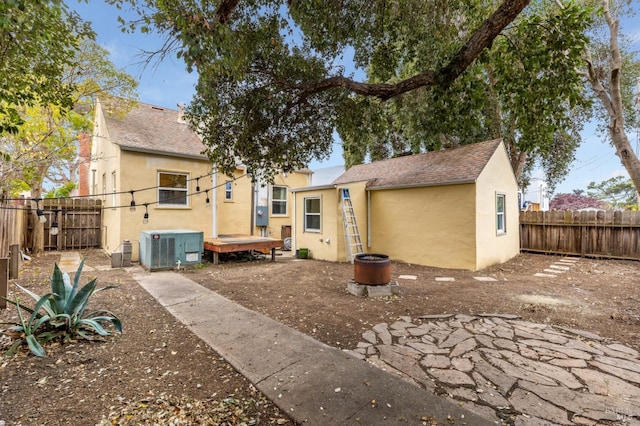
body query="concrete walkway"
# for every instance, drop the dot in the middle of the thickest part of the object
(310, 381)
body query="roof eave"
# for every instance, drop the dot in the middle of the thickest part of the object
(166, 153)
(421, 185)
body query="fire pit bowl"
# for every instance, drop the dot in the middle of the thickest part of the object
(371, 269)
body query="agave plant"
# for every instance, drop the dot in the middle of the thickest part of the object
(61, 313)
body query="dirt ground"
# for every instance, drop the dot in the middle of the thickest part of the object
(157, 369)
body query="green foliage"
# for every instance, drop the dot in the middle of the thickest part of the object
(525, 90)
(63, 191)
(44, 147)
(38, 40)
(277, 77)
(617, 192)
(62, 314)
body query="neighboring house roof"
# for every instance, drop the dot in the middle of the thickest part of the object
(447, 167)
(153, 129)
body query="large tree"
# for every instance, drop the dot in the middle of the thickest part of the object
(272, 77)
(45, 146)
(525, 90)
(38, 40)
(612, 71)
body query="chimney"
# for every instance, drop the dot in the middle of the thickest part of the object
(84, 157)
(181, 113)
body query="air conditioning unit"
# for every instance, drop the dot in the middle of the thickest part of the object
(164, 249)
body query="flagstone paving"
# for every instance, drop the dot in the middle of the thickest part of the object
(513, 371)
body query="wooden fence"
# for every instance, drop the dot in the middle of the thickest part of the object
(13, 226)
(610, 234)
(79, 223)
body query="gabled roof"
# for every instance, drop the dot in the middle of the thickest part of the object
(447, 167)
(153, 129)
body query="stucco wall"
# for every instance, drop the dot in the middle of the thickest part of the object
(329, 225)
(140, 170)
(497, 177)
(105, 159)
(234, 216)
(431, 226)
(292, 180)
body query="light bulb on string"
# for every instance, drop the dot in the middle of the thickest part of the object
(132, 208)
(207, 202)
(145, 219)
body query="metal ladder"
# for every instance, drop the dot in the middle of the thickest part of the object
(351, 233)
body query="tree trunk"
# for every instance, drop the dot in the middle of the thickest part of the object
(612, 100)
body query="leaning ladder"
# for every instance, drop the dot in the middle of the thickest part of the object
(351, 233)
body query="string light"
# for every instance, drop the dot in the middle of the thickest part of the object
(54, 225)
(39, 211)
(145, 220)
(197, 184)
(132, 207)
(207, 202)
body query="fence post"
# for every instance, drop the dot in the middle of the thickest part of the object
(14, 256)
(4, 281)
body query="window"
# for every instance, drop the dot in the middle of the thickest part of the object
(312, 214)
(113, 186)
(228, 190)
(279, 200)
(501, 219)
(172, 189)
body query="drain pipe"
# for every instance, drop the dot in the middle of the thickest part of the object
(369, 219)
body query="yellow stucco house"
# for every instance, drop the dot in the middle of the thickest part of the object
(153, 158)
(455, 208)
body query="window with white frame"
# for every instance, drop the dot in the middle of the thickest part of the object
(228, 190)
(312, 214)
(501, 216)
(172, 189)
(279, 200)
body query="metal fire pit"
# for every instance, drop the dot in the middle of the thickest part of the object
(371, 269)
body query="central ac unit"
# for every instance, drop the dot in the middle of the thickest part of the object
(164, 249)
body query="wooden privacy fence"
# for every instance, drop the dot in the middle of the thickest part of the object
(611, 234)
(13, 225)
(79, 223)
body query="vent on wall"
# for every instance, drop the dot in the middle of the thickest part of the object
(164, 249)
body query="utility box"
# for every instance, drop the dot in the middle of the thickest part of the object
(262, 216)
(165, 249)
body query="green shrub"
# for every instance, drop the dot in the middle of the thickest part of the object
(61, 314)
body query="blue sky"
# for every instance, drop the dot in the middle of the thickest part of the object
(168, 83)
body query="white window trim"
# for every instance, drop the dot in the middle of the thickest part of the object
(314, 230)
(229, 190)
(499, 230)
(286, 201)
(185, 190)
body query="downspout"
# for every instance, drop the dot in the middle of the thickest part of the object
(254, 208)
(369, 219)
(294, 224)
(214, 204)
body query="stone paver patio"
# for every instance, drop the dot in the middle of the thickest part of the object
(513, 371)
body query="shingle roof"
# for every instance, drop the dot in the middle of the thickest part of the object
(457, 165)
(149, 128)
